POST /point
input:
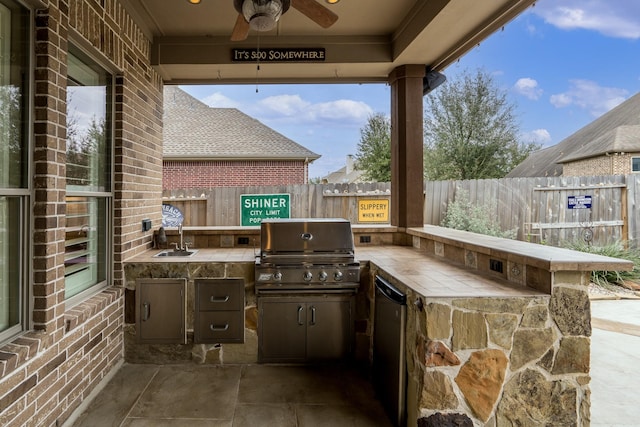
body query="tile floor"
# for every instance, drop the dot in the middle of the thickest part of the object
(235, 396)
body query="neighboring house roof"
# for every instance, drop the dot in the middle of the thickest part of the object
(195, 131)
(345, 175)
(615, 131)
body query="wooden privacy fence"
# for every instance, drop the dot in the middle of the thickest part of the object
(221, 206)
(537, 209)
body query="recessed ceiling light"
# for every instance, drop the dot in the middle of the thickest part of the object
(332, 1)
(194, 1)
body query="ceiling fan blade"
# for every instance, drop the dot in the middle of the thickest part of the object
(316, 12)
(240, 30)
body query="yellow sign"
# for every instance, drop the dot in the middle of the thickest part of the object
(373, 210)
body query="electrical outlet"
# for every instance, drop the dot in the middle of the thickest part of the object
(495, 265)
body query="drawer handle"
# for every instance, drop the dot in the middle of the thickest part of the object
(215, 328)
(219, 299)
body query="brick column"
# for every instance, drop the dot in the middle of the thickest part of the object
(49, 159)
(407, 198)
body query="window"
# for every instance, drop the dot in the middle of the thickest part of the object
(14, 165)
(89, 171)
(635, 164)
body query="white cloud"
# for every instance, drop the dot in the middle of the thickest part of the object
(293, 107)
(589, 96)
(282, 105)
(341, 109)
(614, 18)
(218, 100)
(528, 87)
(538, 136)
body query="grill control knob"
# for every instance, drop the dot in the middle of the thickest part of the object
(323, 276)
(307, 276)
(277, 275)
(337, 275)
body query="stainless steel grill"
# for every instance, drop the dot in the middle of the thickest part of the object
(306, 281)
(306, 256)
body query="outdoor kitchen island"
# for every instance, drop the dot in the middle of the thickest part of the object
(497, 331)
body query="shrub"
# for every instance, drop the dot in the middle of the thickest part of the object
(461, 214)
(615, 250)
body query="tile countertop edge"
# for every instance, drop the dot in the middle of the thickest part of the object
(396, 262)
(556, 259)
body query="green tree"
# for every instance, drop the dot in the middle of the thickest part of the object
(374, 149)
(470, 130)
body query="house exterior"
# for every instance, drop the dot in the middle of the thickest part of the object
(347, 174)
(610, 145)
(81, 161)
(208, 147)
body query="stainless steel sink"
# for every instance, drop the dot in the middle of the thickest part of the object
(176, 253)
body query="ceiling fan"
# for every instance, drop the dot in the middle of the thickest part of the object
(263, 15)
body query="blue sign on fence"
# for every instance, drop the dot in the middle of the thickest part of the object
(579, 202)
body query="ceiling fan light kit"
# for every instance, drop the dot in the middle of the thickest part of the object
(262, 15)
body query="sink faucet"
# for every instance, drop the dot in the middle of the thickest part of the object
(180, 232)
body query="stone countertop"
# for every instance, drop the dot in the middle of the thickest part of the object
(428, 276)
(548, 258)
(435, 278)
(203, 255)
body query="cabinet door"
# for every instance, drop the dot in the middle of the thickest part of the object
(282, 330)
(160, 314)
(330, 329)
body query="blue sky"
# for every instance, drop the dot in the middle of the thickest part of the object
(563, 63)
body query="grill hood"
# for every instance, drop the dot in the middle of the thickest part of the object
(306, 236)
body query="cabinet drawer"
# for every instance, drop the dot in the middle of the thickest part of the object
(219, 294)
(219, 327)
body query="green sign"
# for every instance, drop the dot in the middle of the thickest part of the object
(256, 207)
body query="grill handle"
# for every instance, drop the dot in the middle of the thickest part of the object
(300, 310)
(313, 316)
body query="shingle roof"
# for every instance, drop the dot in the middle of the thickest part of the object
(615, 131)
(193, 130)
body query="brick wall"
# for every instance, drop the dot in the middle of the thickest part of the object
(46, 372)
(207, 174)
(615, 164)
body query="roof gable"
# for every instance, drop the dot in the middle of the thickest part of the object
(615, 131)
(193, 130)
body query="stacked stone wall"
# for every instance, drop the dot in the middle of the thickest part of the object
(502, 361)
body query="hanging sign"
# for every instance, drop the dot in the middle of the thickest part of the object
(579, 202)
(302, 54)
(256, 207)
(171, 216)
